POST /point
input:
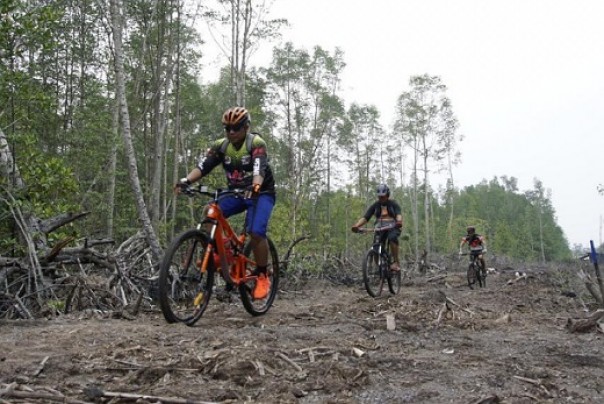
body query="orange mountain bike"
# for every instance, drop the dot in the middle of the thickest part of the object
(190, 264)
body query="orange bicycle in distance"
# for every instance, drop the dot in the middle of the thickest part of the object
(190, 264)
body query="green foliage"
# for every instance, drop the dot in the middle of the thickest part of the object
(510, 222)
(52, 188)
(327, 158)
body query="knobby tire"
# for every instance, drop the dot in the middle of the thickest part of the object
(184, 290)
(480, 274)
(471, 275)
(394, 280)
(257, 307)
(372, 273)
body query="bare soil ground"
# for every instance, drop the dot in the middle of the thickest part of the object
(321, 344)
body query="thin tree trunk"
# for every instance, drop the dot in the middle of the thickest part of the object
(8, 167)
(113, 168)
(129, 148)
(426, 204)
(450, 201)
(541, 243)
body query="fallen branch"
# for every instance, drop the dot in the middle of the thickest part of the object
(445, 308)
(450, 301)
(40, 367)
(435, 278)
(54, 223)
(95, 392)
(518, 278)
(590, 286)
(288, 360)
(587, 324)
(46, 397)
(534, 382)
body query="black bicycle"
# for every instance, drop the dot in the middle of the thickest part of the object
(376, 266)
(476, 273)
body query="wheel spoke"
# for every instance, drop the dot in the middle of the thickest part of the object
(372, 273)
(184, 290)
(258, 307)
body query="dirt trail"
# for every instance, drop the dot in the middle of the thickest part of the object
(322, 344)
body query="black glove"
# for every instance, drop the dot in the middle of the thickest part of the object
(182, 185)
(398, 225)
(355, 229)
(252, 191)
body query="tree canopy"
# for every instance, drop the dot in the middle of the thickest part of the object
(105, 127)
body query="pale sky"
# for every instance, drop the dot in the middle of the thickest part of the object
(525, 78)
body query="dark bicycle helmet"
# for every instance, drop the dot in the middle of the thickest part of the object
(383, 190)
(236, 116)
(471, 229)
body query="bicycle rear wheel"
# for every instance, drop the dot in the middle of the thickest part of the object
(372, 273)
(471, 275)
(184, 289)
(257, 307)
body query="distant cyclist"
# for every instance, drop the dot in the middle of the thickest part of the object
(245, 162)
(476, 244)
(387, 212)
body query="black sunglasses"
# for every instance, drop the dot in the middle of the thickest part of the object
(234, 128)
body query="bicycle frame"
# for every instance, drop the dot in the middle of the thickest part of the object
(185, 287)
(380, 240)
(379, 254)
(220, 232)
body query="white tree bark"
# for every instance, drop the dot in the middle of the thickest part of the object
(8, 168)
(116, 22)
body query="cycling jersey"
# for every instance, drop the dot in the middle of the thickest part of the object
(386, 211)
(474, 242)
(240, 165)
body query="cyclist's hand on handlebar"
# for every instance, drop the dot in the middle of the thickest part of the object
(252, 191)
(355, 229)
(398, 225)
(182, 186)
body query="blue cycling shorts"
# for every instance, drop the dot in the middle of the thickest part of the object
(258, 215)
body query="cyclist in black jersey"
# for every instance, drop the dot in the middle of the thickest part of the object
(244, 159)
(387, 212)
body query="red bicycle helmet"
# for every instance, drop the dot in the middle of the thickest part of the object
(236, 116)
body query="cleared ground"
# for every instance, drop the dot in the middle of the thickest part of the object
(322, 344)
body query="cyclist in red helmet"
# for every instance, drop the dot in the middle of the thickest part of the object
(244, 159)
(476, 243)
(386, 212)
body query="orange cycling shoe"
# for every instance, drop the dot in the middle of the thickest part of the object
(263, 284)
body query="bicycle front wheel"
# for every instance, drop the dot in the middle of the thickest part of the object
(257, 307)
(481, 275)
(394, 281)
(471, 275)
(184, 288)
(372, 273)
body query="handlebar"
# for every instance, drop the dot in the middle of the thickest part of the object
(201, 189)
(375, 229)
(472, 253)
